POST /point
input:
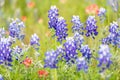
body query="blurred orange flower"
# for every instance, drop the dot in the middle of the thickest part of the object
(42, 73)
(24, 18)
(92, 9)
(30, 4)
(7, 32)
(48, 34)
(63, 1)
(27, 62)
(40, 20)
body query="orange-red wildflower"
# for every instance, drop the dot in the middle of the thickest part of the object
(43, 73)
(27, 62)
(30, 4)
(92, 9)
(24, 18)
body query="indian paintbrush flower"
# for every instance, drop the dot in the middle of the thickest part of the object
(27, 62)
(43, 73)
(92, 9)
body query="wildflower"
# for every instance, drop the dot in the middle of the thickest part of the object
(70, 50)
(92, 9)
(24, 18)
(81, 64)
(50, 59)
(61, 29)
(27, 62)
(78, 40)
(104, 56)
(106, 40)
(114, 4)
(77, 25)
(43, 73)
(2, 32)
(17, 52)
(59, 52)
(5, 51)
(86, 52)
(47, 34)
(16, 29)
(114, 35)
(63, 1)
(53, 17)
(113, 27)
(34, 41)
(1, 78)
(91, 26)
(102, 11)
(101, 14)
(40, 20)
(17, 49)
(30, 4)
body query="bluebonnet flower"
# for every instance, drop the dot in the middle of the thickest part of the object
(114, 35)
(34, 41)
(70, 50)
(52, 57)
(59, 52)
(77, 25)
(5, 51)
(101, 14)
(1, 78)
(53, 17)
(86, 52)
(78, 40)
(113, 27)
(104, 56)
(102, 11)
(61, 29)
(81, 64)
(106, 40)
(16, 29)
(91, 27)
(2, 32)
(17, 52)
(114, 4)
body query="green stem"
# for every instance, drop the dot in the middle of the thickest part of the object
(54, 74)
